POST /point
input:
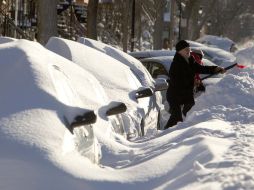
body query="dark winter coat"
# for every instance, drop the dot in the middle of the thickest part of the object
(181, 79)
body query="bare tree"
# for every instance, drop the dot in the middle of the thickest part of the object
(47, 20)
(154, 10)
(189, 16)
(202, 18)
(92, 19)
(196, 15)
(125, 24)
(159, 23)
(228, 20)
(138, 23)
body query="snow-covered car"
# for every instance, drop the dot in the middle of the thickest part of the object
(195, 44)
(216, 55)
(5, 39)
(219, 42)
(62, 102)
(160, 53)
(135, 65)
(152, 53)
(138, 70)
(118, 81)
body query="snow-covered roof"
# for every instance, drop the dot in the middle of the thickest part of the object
(152, 53)
(4, 39)
(195, 44)
(135, 65)
(111, 74)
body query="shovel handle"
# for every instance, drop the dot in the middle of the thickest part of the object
(226, 68)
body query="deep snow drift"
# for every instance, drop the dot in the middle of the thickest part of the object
(212, 149)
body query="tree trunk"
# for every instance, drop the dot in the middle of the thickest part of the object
(47, 20)
(158, 25)
(172, 24)
(125, 25)
(203, 20)
(187, 17)
(138, 24)
(92, 19)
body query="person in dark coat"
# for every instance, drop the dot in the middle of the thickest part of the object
(180, 95)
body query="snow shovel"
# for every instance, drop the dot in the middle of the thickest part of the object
(226, 68)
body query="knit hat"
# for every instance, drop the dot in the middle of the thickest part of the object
(181, 45)
(199, 52)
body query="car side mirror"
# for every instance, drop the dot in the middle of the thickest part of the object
(161, 84)
(144, 92)
(117, 108)
(85, 119)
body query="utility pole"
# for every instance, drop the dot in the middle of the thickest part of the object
(172, 23)
(133, 26)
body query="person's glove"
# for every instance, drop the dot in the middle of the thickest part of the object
(220, 70)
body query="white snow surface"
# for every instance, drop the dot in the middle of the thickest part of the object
(118, 80)
(216, 41)
(245, 56)
(212, 149)
(106, 69)
(135, 65)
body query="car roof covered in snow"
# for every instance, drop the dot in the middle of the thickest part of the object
(216, 41)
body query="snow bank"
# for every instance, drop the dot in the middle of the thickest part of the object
(245, 56)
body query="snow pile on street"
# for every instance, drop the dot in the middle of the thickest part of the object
(246, 56)
(211, 149)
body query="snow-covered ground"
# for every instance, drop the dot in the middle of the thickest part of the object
(212, 149)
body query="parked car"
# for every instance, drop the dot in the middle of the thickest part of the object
(195, 44)
(5, 39)
(50, 99)
(159, 53)
(216, 55)
(152, 53)
(138, 70)
(219, 42)
(118, 81)
(135, 65)
(158, 67)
